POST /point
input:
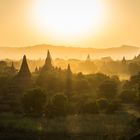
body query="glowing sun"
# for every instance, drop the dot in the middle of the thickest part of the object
(68, 18)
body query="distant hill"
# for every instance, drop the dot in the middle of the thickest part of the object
(40, 51)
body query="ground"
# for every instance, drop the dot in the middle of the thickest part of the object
(95, 126)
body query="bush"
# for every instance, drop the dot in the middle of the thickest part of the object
(113, 107)
(90, 108)
(128, 96)
(102, 104)
(108, 89)
(57, 107)
(33, 102)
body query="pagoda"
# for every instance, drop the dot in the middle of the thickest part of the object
(48, 63)
(123, 60)
(68, 81)
(24, 71)
(23, 79)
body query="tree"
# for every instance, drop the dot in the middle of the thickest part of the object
(82, 85)
(34, 101)
(90, 108)
(128, 96)
(108, 89)
(102, 103)
(47, 80)
(58, 106)
(113, 106)
(133, 68)
(96, 79)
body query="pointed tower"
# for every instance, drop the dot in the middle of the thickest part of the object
(88, 58)
(24, 69)
(123, 60)
(68, 81)
(20, 83)
(13, 69)
(48, 60)
(69, 70)
(23, 80)
(48, 63)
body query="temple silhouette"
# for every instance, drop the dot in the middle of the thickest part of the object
(48, 63)
(24, 80)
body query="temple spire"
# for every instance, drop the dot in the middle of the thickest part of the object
(68, 81)
(124, 60)
(12, 66)
(48, 63)
(48, 59)
(13, 69)
(88, 58)
(68, 68)
(24, 69)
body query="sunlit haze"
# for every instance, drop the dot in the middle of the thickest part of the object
(77, 23)
(68, 20)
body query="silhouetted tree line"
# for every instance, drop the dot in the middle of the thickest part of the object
(51, 91)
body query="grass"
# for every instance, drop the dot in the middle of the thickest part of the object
(115, 124)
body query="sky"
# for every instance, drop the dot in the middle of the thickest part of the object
(77, 23)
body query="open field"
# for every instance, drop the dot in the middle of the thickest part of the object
(75, 126)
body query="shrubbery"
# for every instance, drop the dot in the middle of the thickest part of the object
(128, 96)
(57, 107)
(102, 103)
(90, 108)
(33, 102)
(107, 106)
(113, 106)
(108, 89)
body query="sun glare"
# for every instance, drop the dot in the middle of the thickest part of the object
(68, 19)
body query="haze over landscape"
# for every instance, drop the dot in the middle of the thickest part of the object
(91, 23)
(40, 51)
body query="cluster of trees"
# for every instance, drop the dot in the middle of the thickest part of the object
(52, 91)
(88, 94)
(92, 93)
(36, 103)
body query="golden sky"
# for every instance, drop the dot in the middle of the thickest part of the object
(77, 23)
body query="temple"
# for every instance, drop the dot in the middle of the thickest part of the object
(13, 69)
(23, 79)
(24, 69)
(123, 60)
(48, 63)
(88, 58)
(68, 81)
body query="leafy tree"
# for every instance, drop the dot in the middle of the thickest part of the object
(58, 106)
(90, 107)
(133, 68)
(34, 101)
(82, 85)
(108, 89)
(133, 84)
(113, 106)
(52, 80)
(134, 79)
(102, 103)
(96, 79)
(47, 80)
(128, 96)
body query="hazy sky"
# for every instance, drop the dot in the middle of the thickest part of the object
(108, 23)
